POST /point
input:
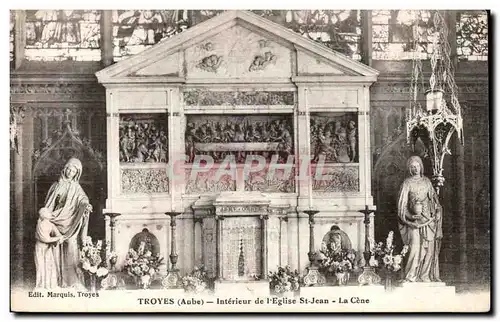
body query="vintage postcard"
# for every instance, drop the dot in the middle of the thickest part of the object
(249, 161)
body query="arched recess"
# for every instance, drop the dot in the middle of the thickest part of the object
(389, 174)
(47, 166)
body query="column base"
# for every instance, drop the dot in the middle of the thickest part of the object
(172, 279)
(314, 277)
(368, 277)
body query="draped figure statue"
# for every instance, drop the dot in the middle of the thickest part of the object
(65, 216)
(420, 224)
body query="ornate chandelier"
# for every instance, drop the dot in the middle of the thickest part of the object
(433, 123)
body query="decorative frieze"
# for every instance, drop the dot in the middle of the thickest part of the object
(144, 181)
(279, 182)
(235, 98)
(87, 90)
(208, 182)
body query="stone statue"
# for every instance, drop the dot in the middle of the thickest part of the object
(420, 224)
(66, 211)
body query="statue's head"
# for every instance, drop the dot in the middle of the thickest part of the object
(72, 170)
(415, 165)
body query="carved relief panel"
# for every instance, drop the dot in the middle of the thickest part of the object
(334, 137)
(337, 179)
(234, 137)
(143, 138)
(238, 52)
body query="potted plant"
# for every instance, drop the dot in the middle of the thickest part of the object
(385, 260)
(91, 262)
(284, 282)
(197, 281)
(142, 265)
(338, 262)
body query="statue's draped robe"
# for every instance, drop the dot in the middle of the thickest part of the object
(67, 200)
(46, 255)
(424, 243)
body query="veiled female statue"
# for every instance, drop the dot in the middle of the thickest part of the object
(64, 214)
(420, 224)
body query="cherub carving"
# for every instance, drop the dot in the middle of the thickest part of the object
(260, 62)
(210, 63)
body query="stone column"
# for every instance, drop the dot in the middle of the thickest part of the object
(366, 37)
(218, 250)
(106, 38)
(198, 240)
(283, 240)
(264, 219)
(19, 38)
(18, 249)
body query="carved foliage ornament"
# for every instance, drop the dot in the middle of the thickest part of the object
(214, 98)
(144, 181)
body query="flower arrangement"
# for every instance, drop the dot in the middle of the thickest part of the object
(284, 280)
(91, 261)
(383, 256)
(142, 265)
(197, 281)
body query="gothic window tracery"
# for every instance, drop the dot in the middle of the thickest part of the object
(136, 30)
(402, 34)
(472, 35)
(56, 35)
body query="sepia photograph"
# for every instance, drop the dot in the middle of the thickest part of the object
(284, 160)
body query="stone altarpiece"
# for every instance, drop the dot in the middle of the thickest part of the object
(233, 87)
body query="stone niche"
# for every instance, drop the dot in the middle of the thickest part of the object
(237, 85)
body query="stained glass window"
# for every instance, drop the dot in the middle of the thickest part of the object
(11, 34)
(394, 33)
(472, 35)
(339, 30)
(136, 30)
(56, 35)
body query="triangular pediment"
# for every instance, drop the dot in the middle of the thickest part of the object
(234, 45)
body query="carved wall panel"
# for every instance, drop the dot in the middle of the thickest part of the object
(343, 179)
(208, 182)
(222, 136)
(143, 138)
(58, 92)
(265, 181)
(238, 52)
(218, 98)
(144, 181)
(334, 136)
